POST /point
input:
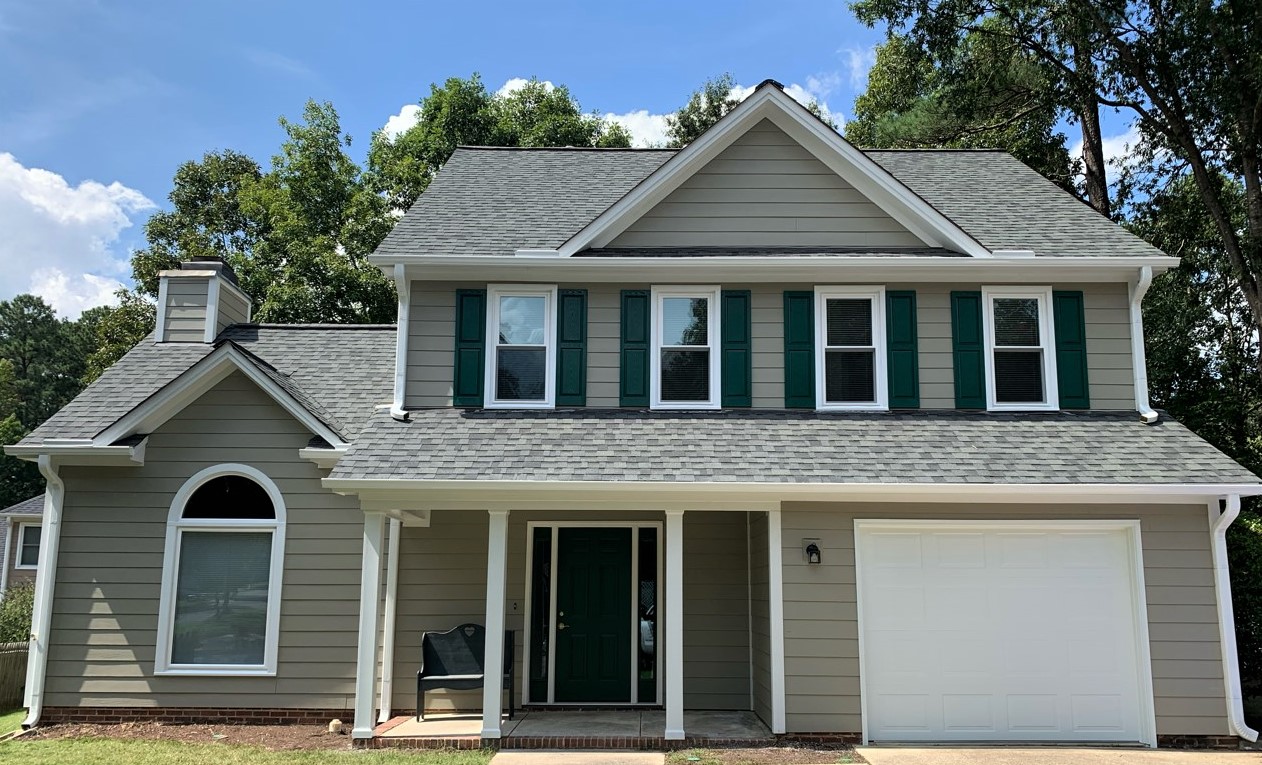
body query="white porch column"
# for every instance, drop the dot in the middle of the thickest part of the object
(369, 623)
(387, 629)
(775, 601)
(496, 585)
(674, 625)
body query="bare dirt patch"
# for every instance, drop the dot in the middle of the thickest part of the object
(768, 755)
(279, 738)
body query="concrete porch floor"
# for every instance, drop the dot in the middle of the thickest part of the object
(622, 723)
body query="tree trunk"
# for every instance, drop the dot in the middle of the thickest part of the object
(1088, 109)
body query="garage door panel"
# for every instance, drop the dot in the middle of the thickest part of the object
(998, 634)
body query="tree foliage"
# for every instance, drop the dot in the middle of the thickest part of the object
(710, 103)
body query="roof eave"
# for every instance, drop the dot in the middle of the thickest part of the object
(82, 452)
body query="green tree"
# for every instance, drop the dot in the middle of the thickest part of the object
(18, 479)
(995, 97)
(707, 105)
(119, 328)
(461, 112)
(48, 356)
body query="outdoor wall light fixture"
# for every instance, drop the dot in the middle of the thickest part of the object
(811, 548)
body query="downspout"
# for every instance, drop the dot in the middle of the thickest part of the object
(404, 289)
(45, 583)
(388, 618)
(1218, 524)
(8, 550)
(1137, 291)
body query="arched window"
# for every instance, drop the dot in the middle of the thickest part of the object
(221, 575)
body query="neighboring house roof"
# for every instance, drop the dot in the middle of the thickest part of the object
(494, 201)
(33, 506)
(786, 447)
(338, 372)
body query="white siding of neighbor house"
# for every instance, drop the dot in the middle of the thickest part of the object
(821, 619)
(430, 342)
(109, 571)
(766, 190)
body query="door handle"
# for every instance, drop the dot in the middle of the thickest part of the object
(562, 626)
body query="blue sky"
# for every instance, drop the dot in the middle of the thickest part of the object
(101, 101)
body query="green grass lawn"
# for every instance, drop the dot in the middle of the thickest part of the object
(84, 751)
(11, 721)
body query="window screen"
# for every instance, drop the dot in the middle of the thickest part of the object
(1018, 352)
(522, 349)
(685, 351)
(849, 351)
(221, 597)
(28, 553)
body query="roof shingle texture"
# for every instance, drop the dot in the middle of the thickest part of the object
(496, 201)
(32, 506)
(786, 447)
(337, 372)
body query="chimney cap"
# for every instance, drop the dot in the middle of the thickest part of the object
(210, 263)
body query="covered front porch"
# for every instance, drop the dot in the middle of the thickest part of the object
(661, 625)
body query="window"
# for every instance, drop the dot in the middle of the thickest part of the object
(1020, 362)
(685, 360)
(850, 342)
(221, 577)
(28, 545)
(521, 340)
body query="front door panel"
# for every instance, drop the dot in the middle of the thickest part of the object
(593, 619)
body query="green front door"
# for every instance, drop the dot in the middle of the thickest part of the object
(593, 619)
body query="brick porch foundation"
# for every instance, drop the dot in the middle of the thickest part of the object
(193, 715)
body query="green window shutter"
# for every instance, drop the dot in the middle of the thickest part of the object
(901, 350)
(1071, 350)
(799, 350)
(470, 356)
(572, 348)
(737, 358)
(969, 349)
(633, 387)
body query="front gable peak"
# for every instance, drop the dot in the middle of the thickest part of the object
(770, 173)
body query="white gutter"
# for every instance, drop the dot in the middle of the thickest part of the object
(1218, 524)
(388, 618)
(8, 550)
(45, 583)
(403, 286)
(1137, 291)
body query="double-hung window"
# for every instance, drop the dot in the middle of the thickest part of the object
(850, 366)
(1020, 358)
(219, 612)
(28, 546)
(521, 346)
(685, 361)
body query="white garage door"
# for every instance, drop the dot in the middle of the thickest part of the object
(1000, 632)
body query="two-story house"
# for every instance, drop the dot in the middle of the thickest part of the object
(858, 441)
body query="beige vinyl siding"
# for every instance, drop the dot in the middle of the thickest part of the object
(760, 616)
(821, 622)
(766, 190)
(442, 584)
(233, 309)
(110, 566)
(185, 313)
(430, 342)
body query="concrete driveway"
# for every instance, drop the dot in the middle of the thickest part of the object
(1052, 755)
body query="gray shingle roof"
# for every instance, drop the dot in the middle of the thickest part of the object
(768, 252)
(495, 201)
(32, 506)
(786, 447)
(338, 372)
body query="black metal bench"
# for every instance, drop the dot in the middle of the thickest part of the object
(456, 660)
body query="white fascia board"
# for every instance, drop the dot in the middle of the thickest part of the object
(436, 492)
(83, 453)
(821, 141)
(824, 270)
(196, 381)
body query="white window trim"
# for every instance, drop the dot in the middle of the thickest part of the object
(880, 371)
(21, 537)
(1046, 339)
(713, 327)
(176, 525)
(493, 294)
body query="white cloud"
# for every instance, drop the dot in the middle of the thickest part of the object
(71, 232)
(646, 129)
(859, 61)
(515, 84)
(400, 123)
(1117, 149)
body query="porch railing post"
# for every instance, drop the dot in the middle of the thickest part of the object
(496, 585)
(675, 625)
(369, 624)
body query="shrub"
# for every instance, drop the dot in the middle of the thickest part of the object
(1244, 551)
(15, 613)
